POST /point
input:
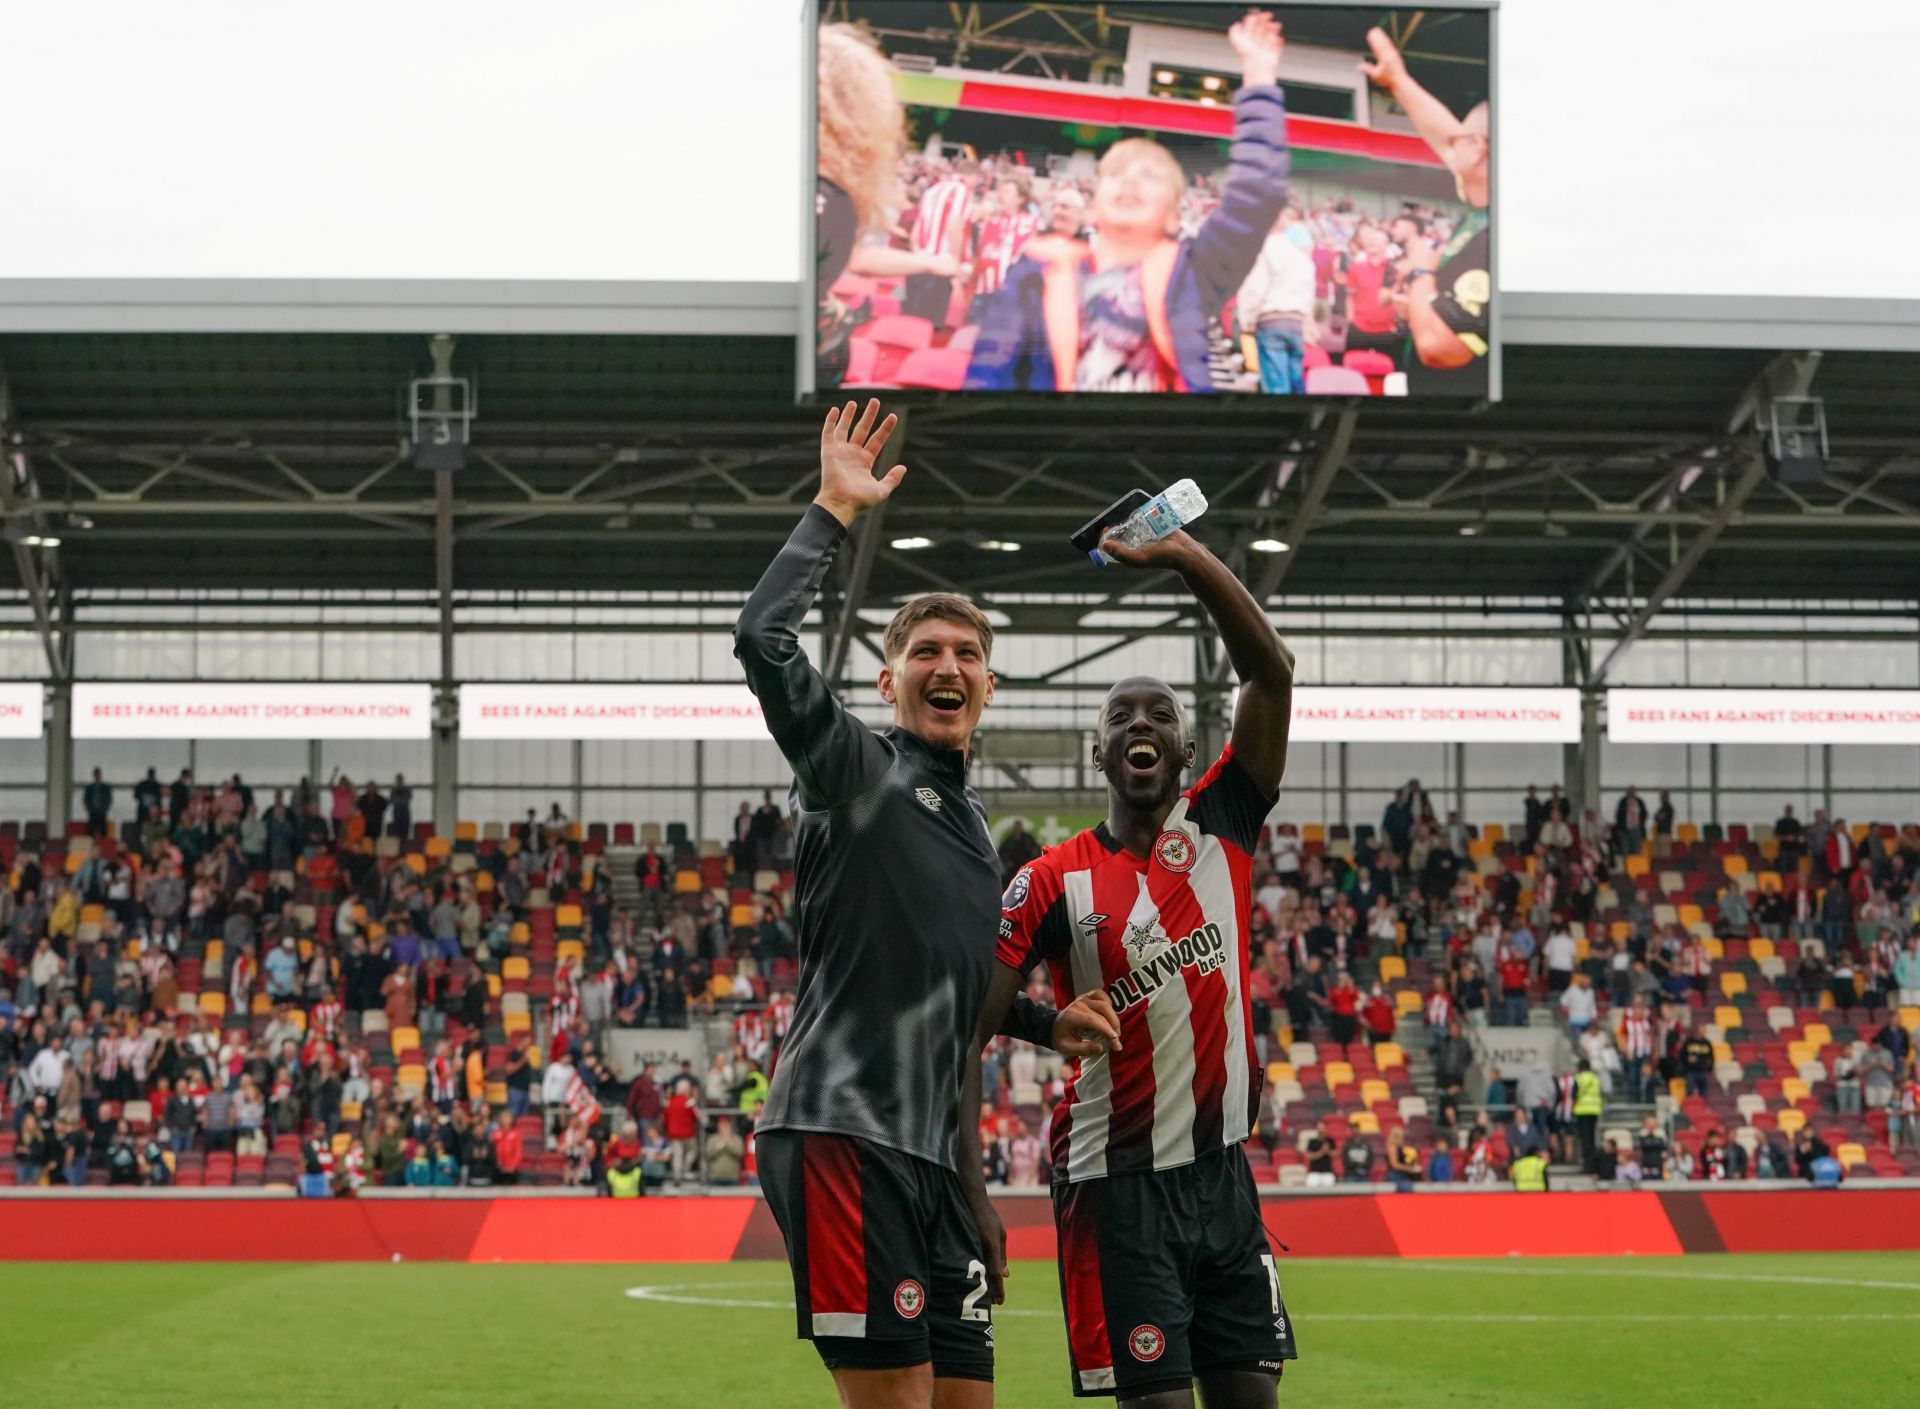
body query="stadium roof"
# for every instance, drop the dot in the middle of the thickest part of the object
(668, 464)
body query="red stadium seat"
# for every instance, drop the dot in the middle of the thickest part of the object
(901, 330)
(934, 368)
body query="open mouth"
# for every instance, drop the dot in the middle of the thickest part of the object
(1142, 755)
(944, 701)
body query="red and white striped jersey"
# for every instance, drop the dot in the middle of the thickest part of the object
(1166, 935)
(998, 241)
(1636, 1035)
(325, 1018)
(1439, 1009)
(940, 222)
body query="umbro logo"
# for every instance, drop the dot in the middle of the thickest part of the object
(1092, 922)
(928, 798)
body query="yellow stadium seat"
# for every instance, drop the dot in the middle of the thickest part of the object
(1494, 832)
(1687, 832)
(1638, 866)
(1479, 849)
(1802, 1052)
(1769, 851)
(215, 1003)
(1389, 1054)
(1715, 949)
(1819, 1034)
(567, 917)
(743, 916)
(1850, 1154)
(1910, 1018)
(1366, 1122)
(521, 933)
(1794, 1089)
(1725, 1017)
(298, 1017)
(92, 914)
(720, 988)
(1722, 1052)
(261, 1004)
(1770, 881)
(74, 861)
(1582, 947)
(349, 1111)
(1789, 1120)
(494, 987)
(515, 966)
(496, 1093)
(686, 882)
(1734, 864)
(1392, 966)
(1860, 830)
(1759, 949)
(1313, 832)
(214, 952)
(404, 1039)
(1338, 1074)
(511, 1023)
(1278, 1072)
(342, 1142)
(1733, 982)
(1373, 1091)
(466, 831)
(412, 1076)
(1407, 1002)
(569, 949)
(1620, 930)
(416, 863)
(438, 847)
(483, 882)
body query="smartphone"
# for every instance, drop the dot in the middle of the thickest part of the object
(1088, 536)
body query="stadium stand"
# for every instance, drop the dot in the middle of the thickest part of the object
(217, 995)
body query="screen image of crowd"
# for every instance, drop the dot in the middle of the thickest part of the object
(994, 255)
(316, 993)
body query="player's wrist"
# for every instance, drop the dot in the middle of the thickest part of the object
(843, 510)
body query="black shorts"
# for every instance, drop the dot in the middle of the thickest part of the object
(886, 1259)
(1169, 1276)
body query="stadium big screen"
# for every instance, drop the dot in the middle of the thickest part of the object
(1152, 198)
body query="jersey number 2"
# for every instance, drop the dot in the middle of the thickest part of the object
(970, 1307)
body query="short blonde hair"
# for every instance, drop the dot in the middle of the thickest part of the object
(935, 606)
(861, 121)
(1129, 149)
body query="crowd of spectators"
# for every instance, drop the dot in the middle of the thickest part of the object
(311, 987)
(1403, 905)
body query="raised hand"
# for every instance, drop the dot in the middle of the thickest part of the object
(1256, 38)
(1388, 68)
(1168, 552)
(1087, 1027)
(848, 448)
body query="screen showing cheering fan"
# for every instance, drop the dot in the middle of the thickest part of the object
(1169, 198)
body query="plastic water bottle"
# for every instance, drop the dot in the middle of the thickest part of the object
(1172, 508)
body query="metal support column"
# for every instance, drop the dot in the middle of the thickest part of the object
(1713, 783)
(1584, 786)
(1460, 781)
(1826, 779)
(1343, 784)
(700, 787)
(446, 694)
(316, 761)
(59, 756)
(579, 789)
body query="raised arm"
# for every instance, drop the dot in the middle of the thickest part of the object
(1431, 117)
(1261, 661)
(834, 756)
(1227, 244)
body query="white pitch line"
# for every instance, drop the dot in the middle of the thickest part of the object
(1662, 1274)
(674, 1293)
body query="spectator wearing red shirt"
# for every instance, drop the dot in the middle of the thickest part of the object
(1513, 987)
(1379, 1016)
(508, 1151)
(683, 1132)
(1372, 325)
(1343, 1007)
(643, 1097)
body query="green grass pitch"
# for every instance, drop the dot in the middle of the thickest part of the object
(1809, 1329)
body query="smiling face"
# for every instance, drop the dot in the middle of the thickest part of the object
(1144, 744)
(939, 682)
(1138, 190)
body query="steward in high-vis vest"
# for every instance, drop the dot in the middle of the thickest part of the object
(1588, 1103)
(625, 1181)
(1529, 1174)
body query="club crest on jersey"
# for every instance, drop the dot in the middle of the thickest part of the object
(1146, 1343)
(908, 1299)
(928, 798)
(1016, 895)
(1175, 851)
(1203, 951)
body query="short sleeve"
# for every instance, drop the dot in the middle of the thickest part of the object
(1465, 289)
(1228, 804)
(1032, 918)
